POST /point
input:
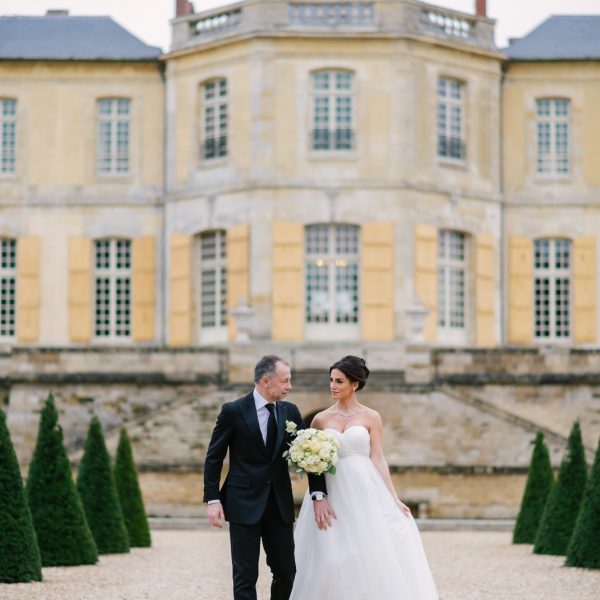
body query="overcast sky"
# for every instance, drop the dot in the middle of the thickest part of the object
(149, 19)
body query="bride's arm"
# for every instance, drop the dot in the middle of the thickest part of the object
(376, 431)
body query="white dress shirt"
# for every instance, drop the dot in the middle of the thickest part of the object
(262, 412)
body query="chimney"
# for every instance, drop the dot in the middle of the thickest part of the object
(183, 8)
(481, 8)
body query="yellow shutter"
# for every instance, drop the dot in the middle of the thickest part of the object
(484, 290)
(584, 290)
(180, 290)
(28, 289)
(520, 290)
(377, 282)
(287, 283)
(80, 289)
(143, 289)
(426, 257)
(238, 283)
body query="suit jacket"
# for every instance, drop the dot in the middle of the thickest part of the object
(252, 473)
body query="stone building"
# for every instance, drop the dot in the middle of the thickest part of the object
(373, 177)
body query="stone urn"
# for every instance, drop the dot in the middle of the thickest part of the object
(416, 316)
(243, 316)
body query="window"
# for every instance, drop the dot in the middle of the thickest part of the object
(332, 273)
(213, 279)
(8, 287)
(113, 115)
(214, 119)
(552, 133)
(112, 284)
(8, 136)
(333, 112)
(552, 288)
(451, 119)
(452, 269)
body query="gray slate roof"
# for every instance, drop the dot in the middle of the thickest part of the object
(58, 37)
(560, 37)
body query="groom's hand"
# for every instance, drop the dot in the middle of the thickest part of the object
(215, 514)
(324, 514)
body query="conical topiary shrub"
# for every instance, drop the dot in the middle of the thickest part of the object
(130, 494)
(539, 482)
(98, 492)
(19, 552)
(560, 512)
(63, 534)
(584, 547)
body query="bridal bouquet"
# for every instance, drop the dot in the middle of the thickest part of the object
(312, 450)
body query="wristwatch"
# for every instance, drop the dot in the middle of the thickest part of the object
(318, 496)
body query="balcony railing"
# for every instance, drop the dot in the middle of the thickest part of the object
(332, 139)
(331, 13)
(214, 147)
(451, 147)
(259, 17)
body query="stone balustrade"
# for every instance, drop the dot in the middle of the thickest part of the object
(323, 17)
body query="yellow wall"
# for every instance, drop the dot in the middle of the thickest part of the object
(270, 107)
(56, 123)
(524, 83)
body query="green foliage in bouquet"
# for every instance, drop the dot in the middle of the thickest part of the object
(584, 547)
(539, 483)
(562, 507)
(19, 552)
(130, 494)
(62, 531)
(96, 485)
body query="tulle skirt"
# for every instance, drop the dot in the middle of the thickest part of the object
(373, 551)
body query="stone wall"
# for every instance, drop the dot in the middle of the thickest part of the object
(458, 425)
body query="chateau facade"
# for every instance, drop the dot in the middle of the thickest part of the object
(334, 173)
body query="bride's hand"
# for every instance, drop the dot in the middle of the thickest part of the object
(403, 508)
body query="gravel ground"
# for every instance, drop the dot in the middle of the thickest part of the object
(194, 565)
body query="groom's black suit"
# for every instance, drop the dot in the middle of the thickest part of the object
(256, 495)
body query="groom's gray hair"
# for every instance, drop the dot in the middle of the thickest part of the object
(267, 365)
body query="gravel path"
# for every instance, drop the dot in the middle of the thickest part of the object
(194, 565)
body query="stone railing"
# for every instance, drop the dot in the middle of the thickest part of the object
(389, 17)
(331, 13)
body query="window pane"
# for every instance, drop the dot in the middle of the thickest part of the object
(451, 279)
(212, 250)
(332, 273)
(552, 260)
(112, 288)
(215, 115)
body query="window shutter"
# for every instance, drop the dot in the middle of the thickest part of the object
(143, 289)
(484, 290)
(180, 290)
(520, 290)
(238, 284)
(377, 282)
(426, 265)
(287, 281)
(28, 289)
(584, 290)
(80, 289)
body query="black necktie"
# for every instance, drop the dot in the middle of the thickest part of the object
(271, 428)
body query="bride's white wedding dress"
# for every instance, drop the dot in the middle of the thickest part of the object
(373, 551)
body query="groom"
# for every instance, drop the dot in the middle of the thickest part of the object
(256, 497)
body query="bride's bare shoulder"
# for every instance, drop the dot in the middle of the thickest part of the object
(321, 418)
(371, 414)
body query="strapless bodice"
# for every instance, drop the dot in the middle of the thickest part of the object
(355, 440)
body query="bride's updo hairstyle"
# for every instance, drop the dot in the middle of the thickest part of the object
(354, 368)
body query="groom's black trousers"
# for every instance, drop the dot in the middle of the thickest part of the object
(278, 543)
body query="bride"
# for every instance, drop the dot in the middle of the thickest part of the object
(360, 542)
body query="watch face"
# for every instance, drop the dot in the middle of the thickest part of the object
(319, 496)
